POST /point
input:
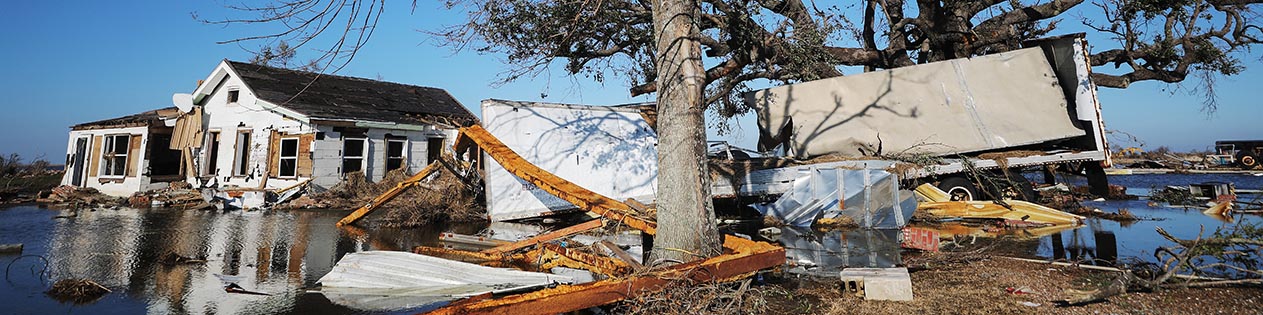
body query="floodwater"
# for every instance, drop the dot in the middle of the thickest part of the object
(1106, 241)
(285, 253)
(279, 253)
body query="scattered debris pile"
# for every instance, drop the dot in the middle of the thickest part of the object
(71, 197)
(78, 291)
(178, 196)
(441, 197)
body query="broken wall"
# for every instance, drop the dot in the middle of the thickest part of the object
(90, 170)
(609, 150)
(954, 106)
(327, 152)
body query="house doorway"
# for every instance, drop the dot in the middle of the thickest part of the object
(78, 160)
(164, 163)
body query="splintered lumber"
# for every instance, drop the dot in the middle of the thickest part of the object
(741, 258)
(11, 248)
(1019, 211)
(568, 231)
(388, 195)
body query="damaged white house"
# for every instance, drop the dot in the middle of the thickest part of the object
(249, 127)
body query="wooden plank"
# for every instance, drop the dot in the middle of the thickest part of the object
(96, 156)
(568, 231)
(274, 153)
(304, 154)
(133, 155)
(621, 255)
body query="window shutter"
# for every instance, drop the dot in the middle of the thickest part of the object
(133, 155)
(96, 156)
(304, 154)
(274, 154)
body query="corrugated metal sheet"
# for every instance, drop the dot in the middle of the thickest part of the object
(388, 279)
(955, 106)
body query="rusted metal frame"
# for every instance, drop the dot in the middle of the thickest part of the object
(744, 258)
(554, 185)
(546, 237)
(552, 255)
(388, 195)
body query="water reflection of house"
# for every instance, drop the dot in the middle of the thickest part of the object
(259, 127)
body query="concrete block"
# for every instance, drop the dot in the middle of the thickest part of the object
(888, 284)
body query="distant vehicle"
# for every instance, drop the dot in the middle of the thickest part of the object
(1240, 153)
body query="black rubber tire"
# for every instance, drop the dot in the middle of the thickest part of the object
(1247, 161)
(1015, 187)
(959, 188)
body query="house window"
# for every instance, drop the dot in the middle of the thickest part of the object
(114, 155)
(353, 154)
(241, 167)
(233, 95)
(212, 155)
(395, 153)
(288, 164)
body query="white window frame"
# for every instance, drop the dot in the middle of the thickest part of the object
(363, 156)
(403, 153)
(241, 153)
(108, 148)
(228, 97)
(280, 156)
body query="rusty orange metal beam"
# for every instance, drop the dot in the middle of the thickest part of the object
(557, 186)
(553, 255)
(388, 195)
(744, 258)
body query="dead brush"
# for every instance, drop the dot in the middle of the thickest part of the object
(78, 291)
(442, 197)
(685, 297)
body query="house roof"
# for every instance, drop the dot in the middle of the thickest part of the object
(333, 97)
(148, 118)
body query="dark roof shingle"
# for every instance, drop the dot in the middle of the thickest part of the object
(148, 118)
(340, 97)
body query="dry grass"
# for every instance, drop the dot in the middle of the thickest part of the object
(711, 298)
(974, 283)
(78, 291)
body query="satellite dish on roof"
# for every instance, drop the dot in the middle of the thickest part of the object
(182, 101)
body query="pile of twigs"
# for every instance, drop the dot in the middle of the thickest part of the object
(79, 291)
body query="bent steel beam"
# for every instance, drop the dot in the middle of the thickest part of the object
(557, 186)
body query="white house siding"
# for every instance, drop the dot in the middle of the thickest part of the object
(228, 119)
(129, 185)
(327, 153)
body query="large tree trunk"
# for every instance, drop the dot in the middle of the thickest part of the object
(686, 217)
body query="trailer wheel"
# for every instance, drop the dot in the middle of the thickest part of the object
(1014, 186)
(1247, 161)
(959, 188)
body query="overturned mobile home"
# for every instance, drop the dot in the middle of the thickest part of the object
(1029, 107)
(248, 129)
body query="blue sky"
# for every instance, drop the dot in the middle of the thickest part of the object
(67, 63)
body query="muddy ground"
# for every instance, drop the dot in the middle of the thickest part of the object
(976, 284)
